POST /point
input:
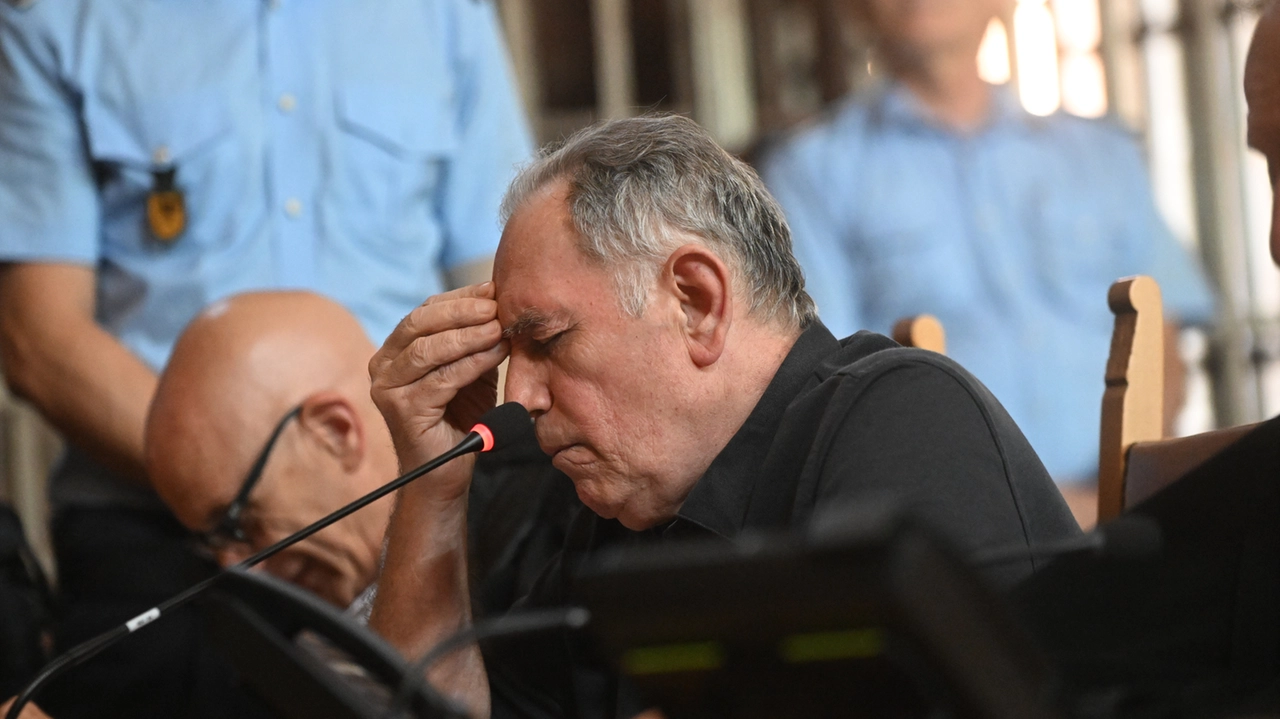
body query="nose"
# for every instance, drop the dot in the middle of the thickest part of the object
(527, 382)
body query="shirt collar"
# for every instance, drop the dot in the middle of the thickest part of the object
(719, 500)
(894, 104)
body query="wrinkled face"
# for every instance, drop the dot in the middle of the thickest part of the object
(600, 383)
(299, 484)
(924, 26)
(1262, 90)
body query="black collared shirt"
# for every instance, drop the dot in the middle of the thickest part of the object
(841, 422)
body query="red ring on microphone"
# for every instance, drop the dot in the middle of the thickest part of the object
(486, 435)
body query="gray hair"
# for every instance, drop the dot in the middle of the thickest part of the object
(636, 184)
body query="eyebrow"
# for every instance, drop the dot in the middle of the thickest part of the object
(529, 321)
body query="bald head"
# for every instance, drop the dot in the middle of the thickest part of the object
(236, 370)
(1262, 91)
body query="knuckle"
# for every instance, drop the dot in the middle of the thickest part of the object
(419, 351)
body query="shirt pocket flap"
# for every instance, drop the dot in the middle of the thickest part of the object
(158, 131)
(397, 120)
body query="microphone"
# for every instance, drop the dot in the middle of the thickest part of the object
(1125, 538)
(497, 428)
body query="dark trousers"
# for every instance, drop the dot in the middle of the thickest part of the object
(114, 564)
(24, 608)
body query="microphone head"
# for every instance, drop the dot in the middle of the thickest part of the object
(504, 425)
(1131, 537)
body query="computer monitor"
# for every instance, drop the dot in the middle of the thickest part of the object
(307, 660)
(874, 619)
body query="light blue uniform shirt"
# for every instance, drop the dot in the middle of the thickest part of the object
(354, 148)
(1011, 236)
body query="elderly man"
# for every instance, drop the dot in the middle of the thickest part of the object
(262, 423)
(659, 332)
(935, 192)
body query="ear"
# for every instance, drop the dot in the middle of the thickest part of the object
(700, 282)
(332, 421)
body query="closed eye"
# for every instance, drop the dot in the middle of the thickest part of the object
(548, 343)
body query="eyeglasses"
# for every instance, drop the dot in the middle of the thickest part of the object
(228, 530)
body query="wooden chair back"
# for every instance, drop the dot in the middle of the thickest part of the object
(922, 331)
(1134, 459)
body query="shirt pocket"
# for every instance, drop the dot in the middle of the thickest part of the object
(1078, 258)
(910, 263)
(393, 150)
(130, 143)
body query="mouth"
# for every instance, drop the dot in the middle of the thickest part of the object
(565, 453)
(553, 447)
(570, 458)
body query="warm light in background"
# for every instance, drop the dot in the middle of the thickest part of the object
(1084, 85)
(1037, 52)
(1057, 52)
(1084, 81)
(1079, 25)
(993, 56)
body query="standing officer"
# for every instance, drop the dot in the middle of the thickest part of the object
(157, 157)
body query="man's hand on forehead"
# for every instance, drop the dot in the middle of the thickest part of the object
(437, 372)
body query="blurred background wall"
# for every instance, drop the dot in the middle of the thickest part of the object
(1168, 69)
(748, 69)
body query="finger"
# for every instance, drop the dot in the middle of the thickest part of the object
(428, 319)
(471, 368)
(427, 354)
(482, 290)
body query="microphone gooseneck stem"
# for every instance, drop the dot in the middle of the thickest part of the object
(81, 653)
(472, 443)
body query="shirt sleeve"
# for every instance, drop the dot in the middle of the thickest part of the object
(493, 137)
(793, 177)
(48, 200)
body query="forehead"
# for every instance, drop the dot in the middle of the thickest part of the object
(195, 481)
(539, 272)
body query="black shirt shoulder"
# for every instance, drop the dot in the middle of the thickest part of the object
(915, 429)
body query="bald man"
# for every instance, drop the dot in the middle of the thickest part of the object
(292, 365)
(262, 423)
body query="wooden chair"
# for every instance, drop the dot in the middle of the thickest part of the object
(922, 331)
(1135, 460)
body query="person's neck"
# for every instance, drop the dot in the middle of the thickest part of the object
(747, 367)
(949, 87)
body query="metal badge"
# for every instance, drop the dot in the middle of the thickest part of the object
(166, 207)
